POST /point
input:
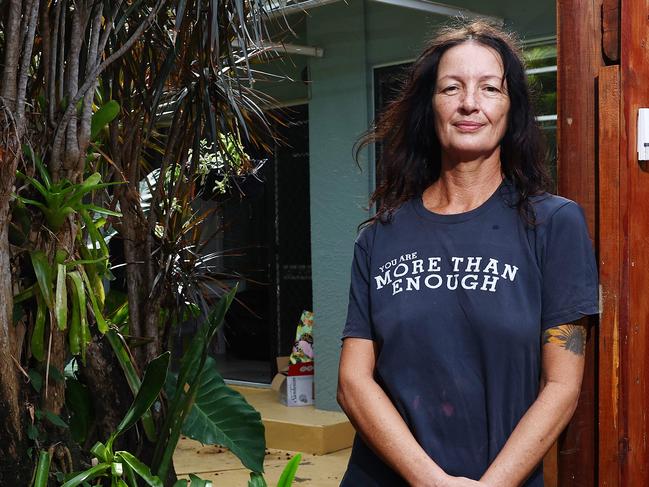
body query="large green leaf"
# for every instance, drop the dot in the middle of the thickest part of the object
(102, 117)
(154, 379)
(44, 275)
(74, 334)
(61, 301)
(221, 416)
(191, 361)
(80, 306)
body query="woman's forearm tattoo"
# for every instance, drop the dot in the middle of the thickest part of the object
(569, 336)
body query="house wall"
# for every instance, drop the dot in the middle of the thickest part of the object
(356, 37)
(281, 77)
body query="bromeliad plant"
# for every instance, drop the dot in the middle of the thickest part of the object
(64, 198)
(54, 284)
(62, 277)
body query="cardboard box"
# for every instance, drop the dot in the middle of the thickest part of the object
(294, 382)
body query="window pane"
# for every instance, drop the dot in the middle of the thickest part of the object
(542, 74)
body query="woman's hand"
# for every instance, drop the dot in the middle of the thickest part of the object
(450, 481)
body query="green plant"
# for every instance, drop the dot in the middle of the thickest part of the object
(194, 481)
(61, 291)
(62, 198)
(138, 61)
(202, 406)
(226, 418)
(57, 276)
(42, 469)
(221, 416)
(122, 466)
(285, 479)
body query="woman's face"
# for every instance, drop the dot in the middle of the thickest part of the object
(470, 102)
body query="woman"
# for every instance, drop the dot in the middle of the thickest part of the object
(462, 359)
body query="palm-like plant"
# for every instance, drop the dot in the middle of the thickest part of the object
(196, 88)
(179, 73)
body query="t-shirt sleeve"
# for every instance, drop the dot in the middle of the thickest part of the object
(570, 287)
(358, 324)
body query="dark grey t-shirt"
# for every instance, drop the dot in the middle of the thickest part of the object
(457, 304)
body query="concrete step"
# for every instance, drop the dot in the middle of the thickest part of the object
(302, 428)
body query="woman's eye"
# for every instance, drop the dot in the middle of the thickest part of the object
(450, 89)
(491, 89)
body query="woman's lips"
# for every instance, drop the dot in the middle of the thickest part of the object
(468, 126)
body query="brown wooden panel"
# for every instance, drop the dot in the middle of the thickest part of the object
(611, 29)
(634, 308)
(550, 472)
(578, 60)
(609, 275)
(579, 33)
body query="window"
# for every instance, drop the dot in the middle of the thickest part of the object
(541, 59)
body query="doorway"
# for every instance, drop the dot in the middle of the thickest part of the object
(269, 233)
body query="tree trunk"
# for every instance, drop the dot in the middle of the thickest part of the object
(138, 287)
(109, 393)
(54, 400)
(12, 417)
(13, 460)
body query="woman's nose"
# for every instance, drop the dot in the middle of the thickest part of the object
(469, 102)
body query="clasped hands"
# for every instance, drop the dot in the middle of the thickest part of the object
(450, 481)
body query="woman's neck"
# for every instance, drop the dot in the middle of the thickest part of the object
(463, 186)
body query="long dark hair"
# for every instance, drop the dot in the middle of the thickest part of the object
(411, 159)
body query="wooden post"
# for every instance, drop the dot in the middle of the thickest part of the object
(610, 259)
(579, 59)
(634, 196)
(623, 229)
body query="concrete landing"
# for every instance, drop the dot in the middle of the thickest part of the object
(324, 438)
(304, 428)
(225, 470)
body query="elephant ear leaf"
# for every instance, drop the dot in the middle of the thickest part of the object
(221, 416)
(103, 117)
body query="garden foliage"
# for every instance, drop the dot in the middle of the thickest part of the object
(112, 113)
